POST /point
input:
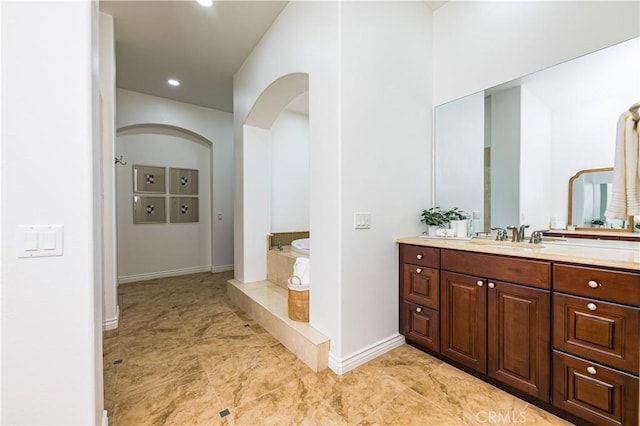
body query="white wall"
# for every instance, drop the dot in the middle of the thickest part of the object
(303, 39)
(290, 173)
(385, 160)
(377, 158)
(459, 155)
(505, 158)
(108, 191)
(152, 250)
(51, 307)
(216, 126)
(481, 44)
(535, 164)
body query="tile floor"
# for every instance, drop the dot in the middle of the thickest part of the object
(184, 353)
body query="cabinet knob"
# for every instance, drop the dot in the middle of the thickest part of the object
(418, 310)
(591, 306)
(418, 256)
(591, 370)
(480, 283)
(593, 284)
(491, 285)
(419, 270)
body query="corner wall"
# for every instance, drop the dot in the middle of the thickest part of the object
(480, 44)
(217, 126)
(51, 307)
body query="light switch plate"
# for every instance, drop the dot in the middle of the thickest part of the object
(39, 240)
(361, 220)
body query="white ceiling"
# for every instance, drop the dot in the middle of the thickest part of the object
(202, 47)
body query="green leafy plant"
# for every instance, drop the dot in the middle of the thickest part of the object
(456, 214)
(597, 222)
(434, 217)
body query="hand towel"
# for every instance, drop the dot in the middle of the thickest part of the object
(625, 199)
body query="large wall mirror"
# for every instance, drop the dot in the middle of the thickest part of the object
(506, 154)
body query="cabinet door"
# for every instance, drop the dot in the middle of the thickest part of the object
(421, 285)
(598, 394)
(518, 337)
(601, 331)
(421, 326)
(464, 320)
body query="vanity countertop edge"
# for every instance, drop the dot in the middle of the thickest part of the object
(624, 258)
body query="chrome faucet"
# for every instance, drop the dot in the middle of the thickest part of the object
(536, 237)
(501, 234)
(517, 233)
(279, 246)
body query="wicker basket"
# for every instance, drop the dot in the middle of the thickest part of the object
(298, 302)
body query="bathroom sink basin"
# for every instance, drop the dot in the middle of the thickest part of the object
(506, 244)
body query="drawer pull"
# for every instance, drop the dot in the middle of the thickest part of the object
(419, 270)
(591, 370)
(491, 285)
(480, 283)
(418, 256)
(591, 306)
(593, 284)
(418, 310)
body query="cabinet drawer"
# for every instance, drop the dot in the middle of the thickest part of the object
(421, 285)
(515, 270)
(593, 392)
(614, 286)
(421, 256)
(596, 330)
(421, 326)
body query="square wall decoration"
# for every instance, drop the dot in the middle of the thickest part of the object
(183, 209)
(149, 179)
(149, 209)
(183, 181)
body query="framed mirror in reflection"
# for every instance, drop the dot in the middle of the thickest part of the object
(590, 193)
(506, 154)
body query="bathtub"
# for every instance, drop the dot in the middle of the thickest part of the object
(301, 246)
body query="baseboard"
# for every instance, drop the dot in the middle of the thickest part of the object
(112, 323)
(356, 359)
(162, 274)
(105, 418)
(222, 268)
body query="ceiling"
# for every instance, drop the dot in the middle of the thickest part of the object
(202, 47)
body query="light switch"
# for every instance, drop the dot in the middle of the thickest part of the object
(30, 240)
(362, 220)
(48, 239)
(39, 240)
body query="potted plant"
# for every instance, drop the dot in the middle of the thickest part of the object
(458, 221)
(597, 223)
(435, 219)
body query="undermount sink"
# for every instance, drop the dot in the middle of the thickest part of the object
(506, 244)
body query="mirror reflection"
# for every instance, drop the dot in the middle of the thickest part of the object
(505, 155)
(589, 196)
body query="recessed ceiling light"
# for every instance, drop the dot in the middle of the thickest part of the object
(205, 3)
(173, 82)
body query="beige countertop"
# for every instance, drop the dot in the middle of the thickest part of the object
(614, 254)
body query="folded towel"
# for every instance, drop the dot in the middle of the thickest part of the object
(625, 200)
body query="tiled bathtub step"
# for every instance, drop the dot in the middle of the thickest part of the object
(266, 303)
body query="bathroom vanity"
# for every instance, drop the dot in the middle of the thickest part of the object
(557, 323)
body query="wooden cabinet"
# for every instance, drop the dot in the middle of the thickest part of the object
(591, 391)
(519, 338)
(499, 329)
(596, 317)
(421, 325)
(464, 320)
(420, 296)
(494, 314)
